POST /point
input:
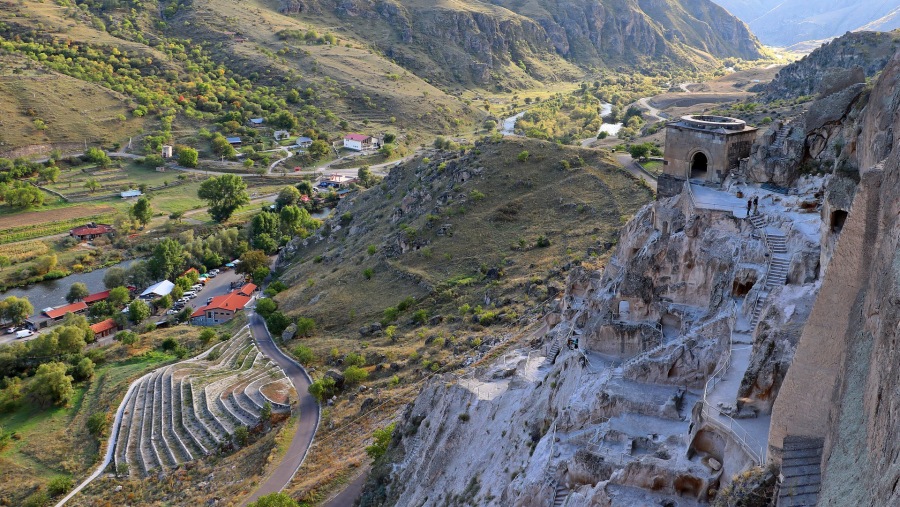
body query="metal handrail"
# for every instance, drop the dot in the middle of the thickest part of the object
(765, 278)
(710, 413)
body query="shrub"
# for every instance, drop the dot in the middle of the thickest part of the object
(277, 323)
(420, 316)
(380, 440)
(37, 499)
(322, 389)
(169, 344)
(303, 354)
(241, 435)
(59, 485)
(406, 304)
(305, 326)
(97, 424)
(372, 249)
(206, 336)
(354, 359)
(523, 156)
(274, 500)
(542, 241)
(368, 272)
(354, 375)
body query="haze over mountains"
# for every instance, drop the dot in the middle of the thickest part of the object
(788, 22)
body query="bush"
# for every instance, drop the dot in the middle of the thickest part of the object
(304, 354)
(305, 326)
(169, 344)
(543, 241)
(368, 272)
(277, 322)
(59, 485)
(420, 317)
(274, 500)
(241, 435)
(355, 375)
(206, 336)
(354, 359)
(97, 424)
(266, 307)
(406, 304)
(380, 440)
(37, 499)
(322, 389)
(523, 156)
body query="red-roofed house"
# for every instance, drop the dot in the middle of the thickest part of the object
(93, 298)
(58, 313)
(91, 231)
(358, 142)
(220, 309)
(104, 328)
(247, 289)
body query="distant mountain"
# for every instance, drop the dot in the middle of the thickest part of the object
(788, 22)
(522, 41)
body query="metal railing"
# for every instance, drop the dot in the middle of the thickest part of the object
(750, 445)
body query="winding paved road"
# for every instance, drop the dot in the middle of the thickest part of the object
(637, 171)
(308, 412)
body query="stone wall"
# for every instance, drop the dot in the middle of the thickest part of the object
(723, 151)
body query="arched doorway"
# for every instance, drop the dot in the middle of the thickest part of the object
(699, 166)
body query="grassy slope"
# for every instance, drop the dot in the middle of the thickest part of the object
(577, 209)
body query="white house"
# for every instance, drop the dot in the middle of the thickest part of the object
(304, 142)
(282, 134)
(358, 142)
(167, 151)
(130, 193)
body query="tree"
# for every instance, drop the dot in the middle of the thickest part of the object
(92, 185)
(139, 274)
(84, 370)
(25, 196)
(284, 120)
(259, 274)
(5, 262)
(187, 157)
(51, 385)
(303, 354)
(265, 307)
(138, 311)
(291, 219)
(380, 440)
(70, 339)
(263, 223)
(16, 310)
(164, 302)
(207, 336)
(305, 188)
(118, 296)
(114, 277)
(266, 412)
(241, 435)
(141, 211)
(176, 216)
(387, 150)
(305, 326)
(322, 389)
(167, 259)
(390, 138)
(77, 292)
(126, 337)
(364, 175)
(274, 500)
(639, 151)
(251, 261)
(49, 174)
(288, 196)
(225, 194)
(44, 264)
(97, 156)
(318, 149)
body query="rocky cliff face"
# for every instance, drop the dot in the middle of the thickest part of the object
(513, 43)
(813, 74)
(844, 381)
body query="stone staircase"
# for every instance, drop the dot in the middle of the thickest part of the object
(780, 136)
(801, 471)
(778, 264)
(560, 495)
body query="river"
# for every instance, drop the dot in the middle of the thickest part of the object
(53, 292)
(509, 124)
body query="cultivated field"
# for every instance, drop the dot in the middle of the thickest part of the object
(33, 218)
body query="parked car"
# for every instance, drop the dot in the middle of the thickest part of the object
(171, 312)
(198, 287)
(190, 294)
(209, 300)
(215, 272)
(212, 275)
(24, 333)
(184, 299)
(12, 330)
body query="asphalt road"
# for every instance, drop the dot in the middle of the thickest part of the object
(308, 412)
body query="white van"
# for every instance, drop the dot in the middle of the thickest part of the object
(25, 333)
(190, 294)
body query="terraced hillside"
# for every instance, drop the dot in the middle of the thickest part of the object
(190, 409)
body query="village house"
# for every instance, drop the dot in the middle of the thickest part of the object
(167, 151)
(234, 141)
(358, 142)
(281, 135)
(104, 328)
(221, 309)
(91, 231)
(304, 142)
(60, 312)
(131, 193)
(256, 122)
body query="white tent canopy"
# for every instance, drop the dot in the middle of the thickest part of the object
(158, 290)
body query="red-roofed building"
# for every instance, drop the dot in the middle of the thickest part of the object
(93, 298)
(104, 328)
(190, 270)
(91, 231)
(221, 309)
(358, 142)
(58, 313)
(247, 290)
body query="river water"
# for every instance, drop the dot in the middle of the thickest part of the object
(53, 292)
(509, 124)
